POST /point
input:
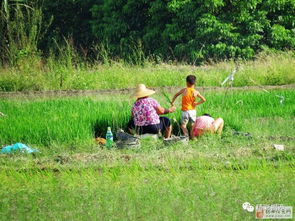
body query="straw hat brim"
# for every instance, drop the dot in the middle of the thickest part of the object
(144, 93)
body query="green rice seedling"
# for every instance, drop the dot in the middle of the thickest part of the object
(76, 121)
(167, 97)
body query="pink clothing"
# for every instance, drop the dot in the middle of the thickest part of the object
(203, 123)
(144, 112)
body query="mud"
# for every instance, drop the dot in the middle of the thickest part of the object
(126, 91)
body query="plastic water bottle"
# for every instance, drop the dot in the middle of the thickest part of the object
(109, 138)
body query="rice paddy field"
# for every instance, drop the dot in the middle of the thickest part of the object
(73, 178)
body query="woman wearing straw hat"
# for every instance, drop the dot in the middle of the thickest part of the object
(145, 114)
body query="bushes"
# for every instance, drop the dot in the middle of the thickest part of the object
(196, 31)
(134, 30)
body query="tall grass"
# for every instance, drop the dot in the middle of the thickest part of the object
(66, 70)
(22, 26)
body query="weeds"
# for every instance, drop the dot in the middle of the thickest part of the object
(22, 26)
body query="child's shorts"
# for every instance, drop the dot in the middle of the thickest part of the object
(188, 116)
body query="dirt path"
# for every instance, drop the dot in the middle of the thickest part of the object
(66, 93)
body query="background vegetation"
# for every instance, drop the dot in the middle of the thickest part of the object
(66, 74)
(194, 31)
(63, 45)
(133, 30)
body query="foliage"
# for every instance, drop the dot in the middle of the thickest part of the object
(195, 31)
(136, 30)
(71, 20)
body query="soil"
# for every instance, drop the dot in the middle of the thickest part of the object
(69, 93)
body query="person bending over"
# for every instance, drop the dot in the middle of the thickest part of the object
(207, 124)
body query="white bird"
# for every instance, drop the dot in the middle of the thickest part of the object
(230, 77)
(282, 99)
(2, 115)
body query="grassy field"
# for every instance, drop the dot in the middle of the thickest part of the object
(64, 73)
(74, 179)
(129, 193)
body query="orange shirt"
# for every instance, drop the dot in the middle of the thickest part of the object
(188, 99)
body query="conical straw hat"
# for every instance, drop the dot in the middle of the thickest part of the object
(142, 91)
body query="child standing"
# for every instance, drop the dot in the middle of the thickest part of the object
(189, 103)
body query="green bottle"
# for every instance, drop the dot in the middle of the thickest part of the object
(109, 138)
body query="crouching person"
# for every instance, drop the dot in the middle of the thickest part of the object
(206, 124)
(146, 113)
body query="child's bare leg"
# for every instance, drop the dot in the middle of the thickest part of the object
(168, 131)
(184, 129)
(218, 125)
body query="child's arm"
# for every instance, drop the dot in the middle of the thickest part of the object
(176, 95)
(202, 99)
